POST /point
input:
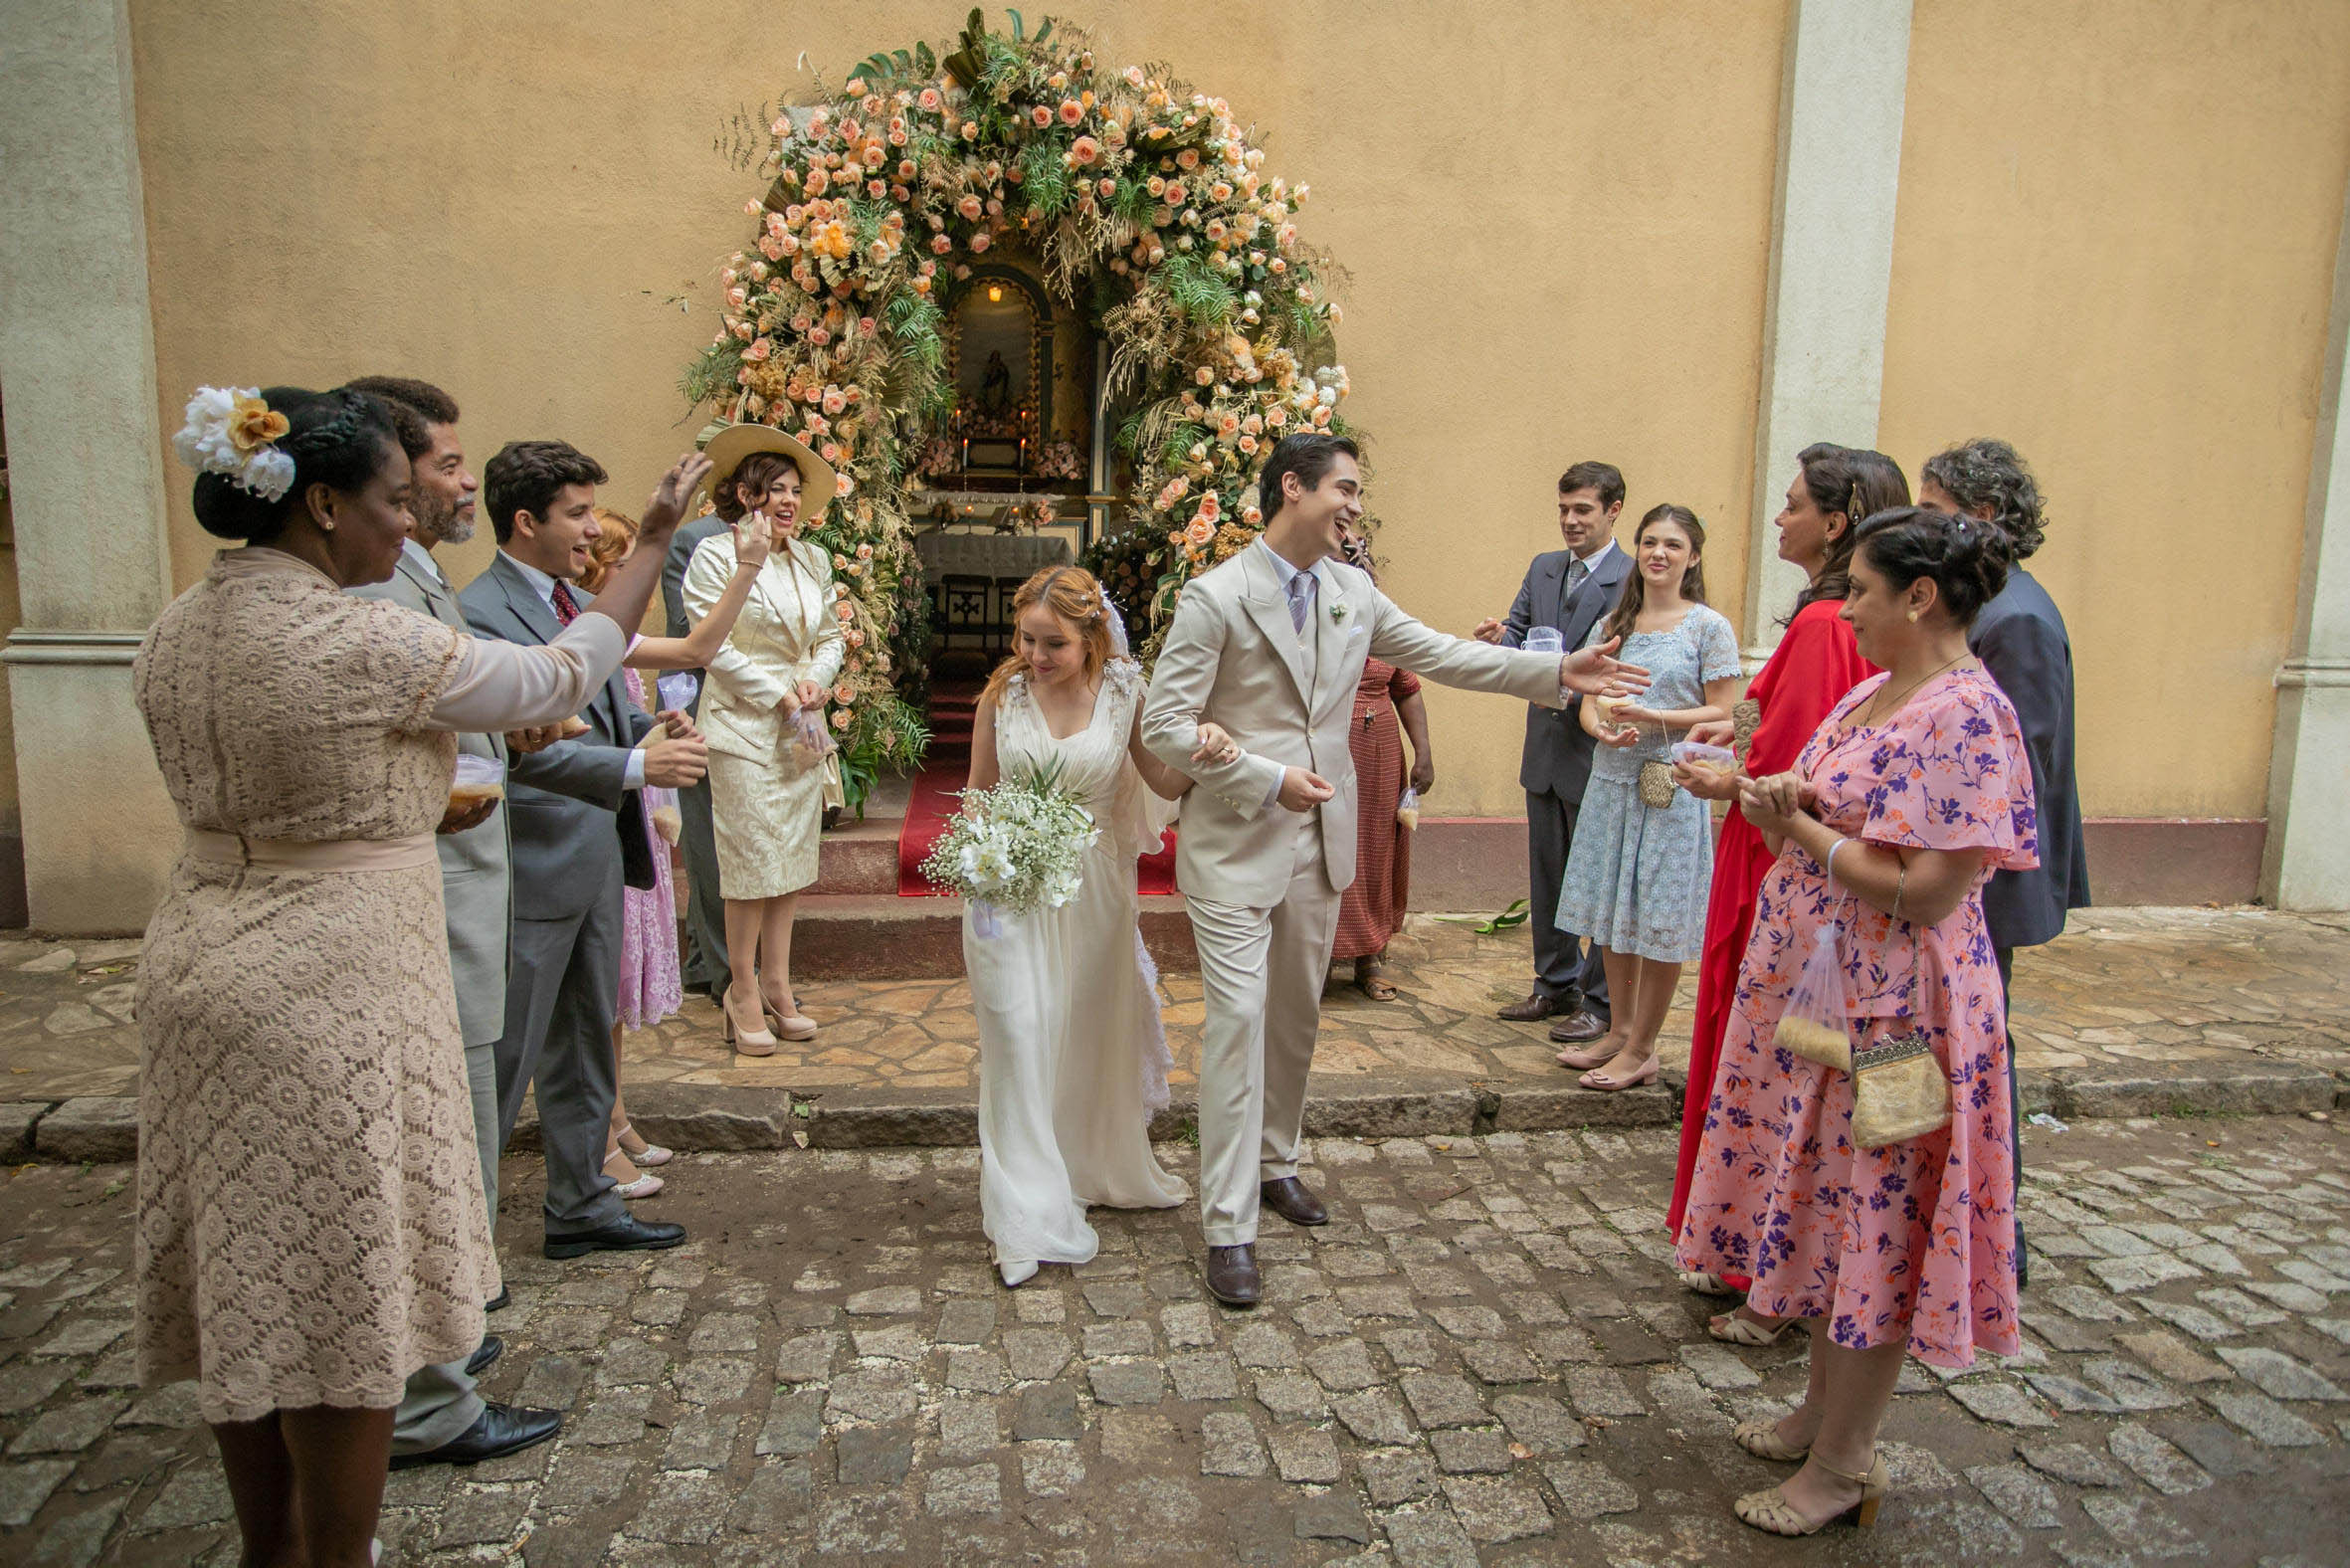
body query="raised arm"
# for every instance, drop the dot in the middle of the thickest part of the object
(1458, 662)
(752, 680)
(700, 644)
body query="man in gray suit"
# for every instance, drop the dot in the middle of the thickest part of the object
(576, 823)
(442, 1418)
(1570, 590)
(707, 967)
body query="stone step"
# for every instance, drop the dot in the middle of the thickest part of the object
(870, 936)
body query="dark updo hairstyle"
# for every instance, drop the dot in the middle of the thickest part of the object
(759, 471)
(1987, 472)
(1968, 560)
(1858, 482)
(341, 440)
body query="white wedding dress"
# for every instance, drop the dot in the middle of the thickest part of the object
(1072, 1057)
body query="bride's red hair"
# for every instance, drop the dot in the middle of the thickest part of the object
(1071, 593)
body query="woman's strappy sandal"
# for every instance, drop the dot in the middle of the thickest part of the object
(1761, 1439)
(1737, 1328)
(1770, 1510)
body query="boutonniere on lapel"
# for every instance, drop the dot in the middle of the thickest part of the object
(1338, 613)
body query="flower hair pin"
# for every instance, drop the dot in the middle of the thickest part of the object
(231, 431)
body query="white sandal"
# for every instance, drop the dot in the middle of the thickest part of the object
(1691, 1279)
(1737, 1328)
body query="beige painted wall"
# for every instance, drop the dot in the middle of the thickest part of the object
(2115, 229)
(2124, 267)
(501, 198)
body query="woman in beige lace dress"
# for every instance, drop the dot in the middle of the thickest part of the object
(310, 1224)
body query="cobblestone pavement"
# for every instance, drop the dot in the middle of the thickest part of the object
(1483, 1359)
(2123, 986)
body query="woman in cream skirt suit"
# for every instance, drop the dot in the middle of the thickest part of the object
(767, 789)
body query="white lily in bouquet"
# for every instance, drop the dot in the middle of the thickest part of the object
(1015, 848)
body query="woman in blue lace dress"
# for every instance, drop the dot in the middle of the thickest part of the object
(1638, 873)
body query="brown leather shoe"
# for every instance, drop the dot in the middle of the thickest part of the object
(1294, 1201)
(1579, 1028)
(1533, 1010)
(1232, 1274)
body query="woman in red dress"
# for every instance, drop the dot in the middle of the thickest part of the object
(1814, 665)
(1387, 707)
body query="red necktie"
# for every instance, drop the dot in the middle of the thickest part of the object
(566, 611)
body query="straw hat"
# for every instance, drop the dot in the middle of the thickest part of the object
(728, 444)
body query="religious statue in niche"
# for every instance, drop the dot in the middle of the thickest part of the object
(995, 386)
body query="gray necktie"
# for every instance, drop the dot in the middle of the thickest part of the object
(1300, 600)
(1576, 572)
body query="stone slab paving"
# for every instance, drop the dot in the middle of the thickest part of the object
(1484, 1359)
(2126, 994)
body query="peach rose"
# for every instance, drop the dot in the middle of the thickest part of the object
(760, 348)
(1199, 531)
(1039, 117)
(1086, 150)
(980, 242)
(253, 423)
(1072, 111)
(970, 206)
(843, 692)
(931, 99)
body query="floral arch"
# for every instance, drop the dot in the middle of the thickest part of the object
(1143, 203)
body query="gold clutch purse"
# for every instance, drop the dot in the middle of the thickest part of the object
(1656, 785)
(1899, 1090)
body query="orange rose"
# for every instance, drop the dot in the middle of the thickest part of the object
(255, 424)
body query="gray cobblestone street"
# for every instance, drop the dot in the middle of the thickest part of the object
(1483, 1359)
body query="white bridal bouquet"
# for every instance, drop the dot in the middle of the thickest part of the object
(1016, 847)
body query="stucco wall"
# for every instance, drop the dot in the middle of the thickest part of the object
(2116, 248)
(1547, 264)
(2115, 229)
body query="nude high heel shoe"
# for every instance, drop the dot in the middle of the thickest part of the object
(789, 1026)
(746, 1042)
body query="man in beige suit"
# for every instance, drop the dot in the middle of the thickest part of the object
(1271, 645)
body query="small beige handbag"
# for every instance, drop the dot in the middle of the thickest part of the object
(1899, 1090)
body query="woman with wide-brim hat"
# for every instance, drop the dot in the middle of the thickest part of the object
(768, 784)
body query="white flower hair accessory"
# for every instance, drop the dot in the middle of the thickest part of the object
(231, 431)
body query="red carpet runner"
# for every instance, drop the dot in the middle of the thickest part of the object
(945, 768)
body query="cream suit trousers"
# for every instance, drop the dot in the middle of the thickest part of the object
(1261, 970)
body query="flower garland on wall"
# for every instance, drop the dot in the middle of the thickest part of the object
(1140, 199)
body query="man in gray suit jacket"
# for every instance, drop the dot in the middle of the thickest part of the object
(707, 967)
(577, 828)
(442, 1418)
(1570, 590)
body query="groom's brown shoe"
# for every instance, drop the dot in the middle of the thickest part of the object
(1533, 1010)
(1579, 1028)
(1294, 1201)
(1232, 1274)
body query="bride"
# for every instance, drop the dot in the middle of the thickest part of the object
(1072, 1058)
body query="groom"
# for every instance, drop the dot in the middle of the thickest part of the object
(1271, 645)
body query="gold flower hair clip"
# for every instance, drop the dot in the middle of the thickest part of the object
(231, 431)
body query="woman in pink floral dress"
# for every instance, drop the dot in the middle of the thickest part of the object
(1913, 791)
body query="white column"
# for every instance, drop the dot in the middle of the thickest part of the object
(1831, 262)
(78, 361)
(2306, 865)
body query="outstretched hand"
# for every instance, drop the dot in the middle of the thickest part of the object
(666, 508)
(1591, 672)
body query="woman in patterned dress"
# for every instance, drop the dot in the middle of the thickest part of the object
(310, 1221)
(652, 984)
(1834, 490)
(1387, 709)
(1913, 791)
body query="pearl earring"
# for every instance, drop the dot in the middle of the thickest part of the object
(1913, 618)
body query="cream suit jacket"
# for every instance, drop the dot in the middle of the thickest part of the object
(787, 633)
(1233, 656)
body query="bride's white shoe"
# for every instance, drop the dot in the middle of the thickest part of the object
(1015, 1274)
